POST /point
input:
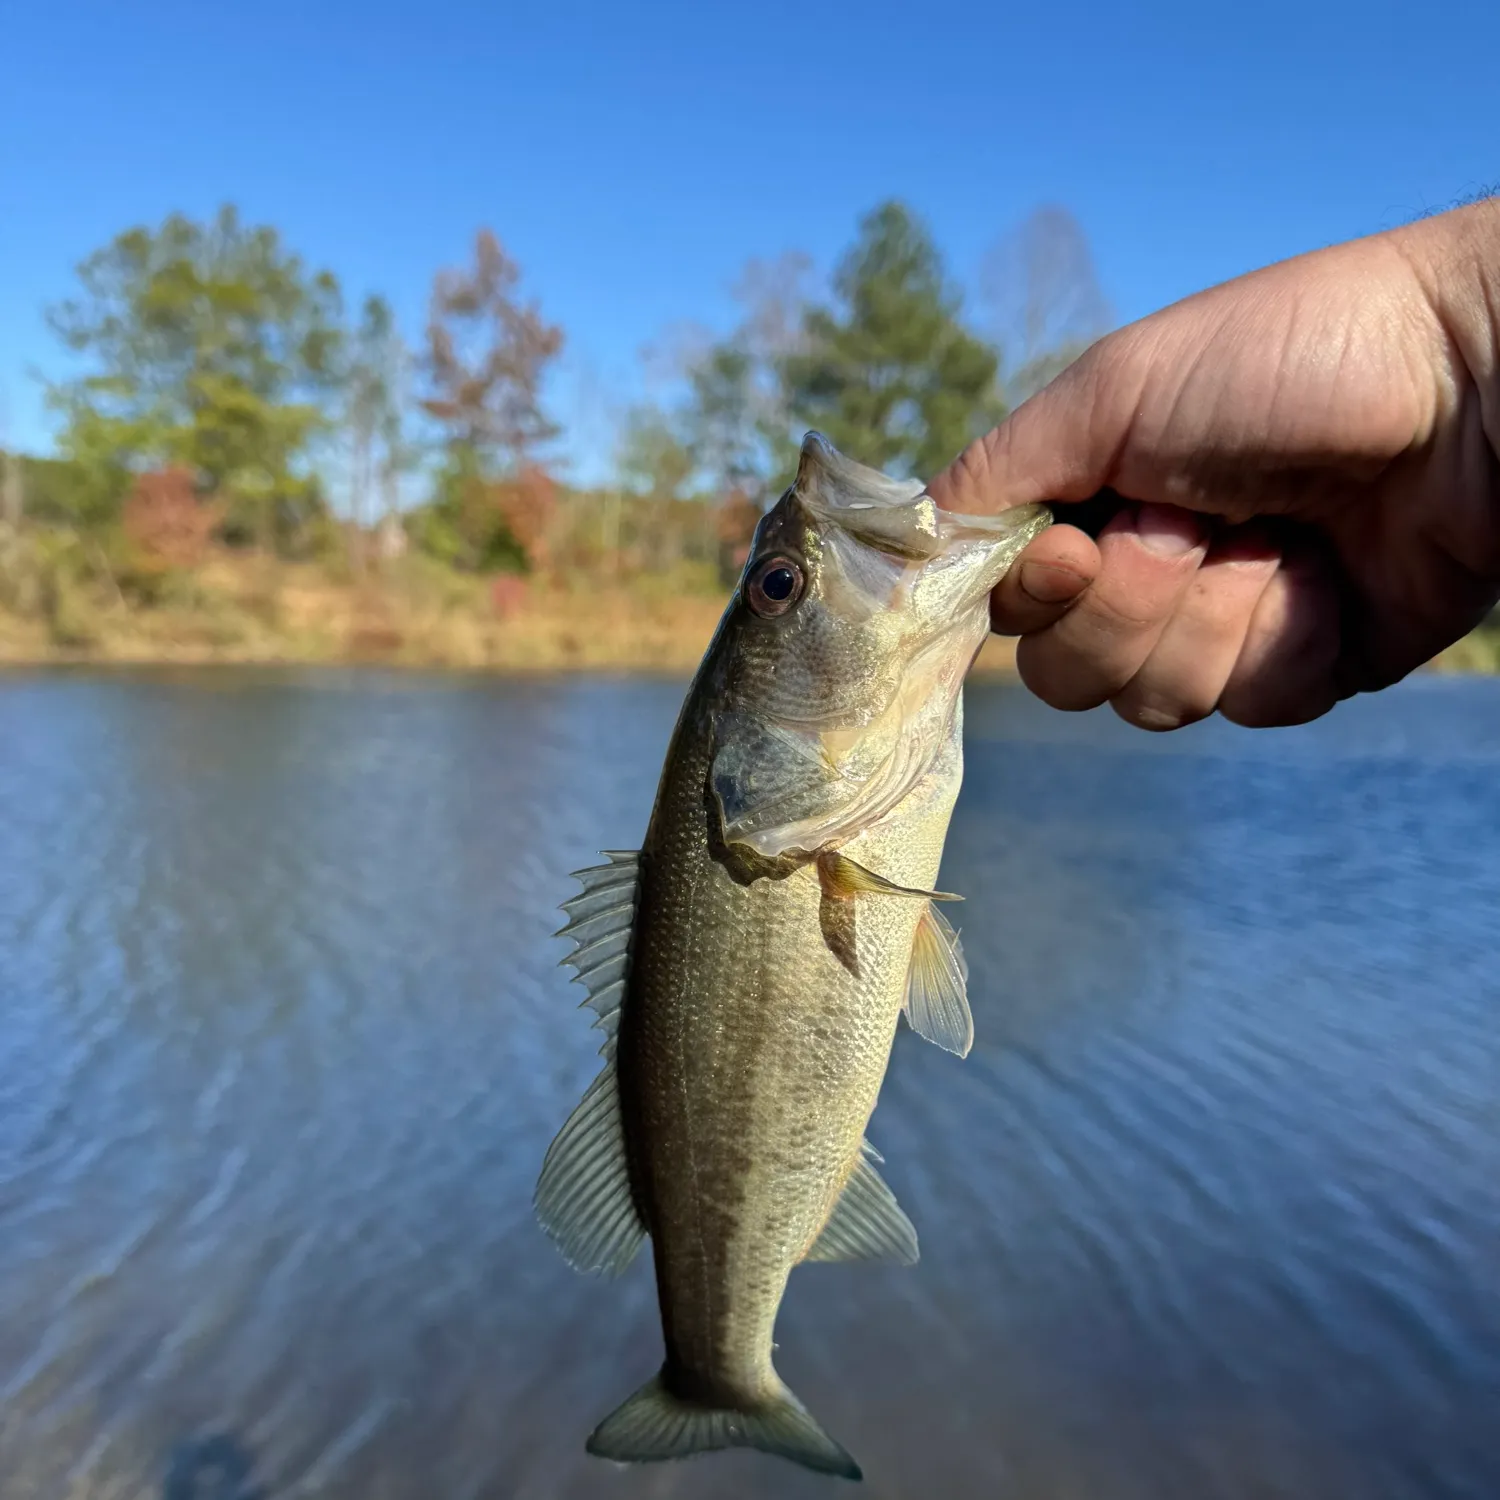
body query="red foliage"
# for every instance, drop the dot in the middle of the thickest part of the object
(738, 517)
(166, 521)
(507, 594)
(487, 353)
(528, 504)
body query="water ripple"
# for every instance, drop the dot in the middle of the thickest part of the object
(1210, 1210)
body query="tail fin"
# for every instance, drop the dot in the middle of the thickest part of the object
(654, 1424)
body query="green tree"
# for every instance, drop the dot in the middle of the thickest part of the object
(374, 413)
(892, 376)
(212, 346)
(723, 421)
(654, 460)
(53, 491)
(657, 464)
(733, 417)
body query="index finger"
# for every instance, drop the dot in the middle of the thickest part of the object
(1044, 582)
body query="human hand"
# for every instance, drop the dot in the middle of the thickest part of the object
(1303, 467)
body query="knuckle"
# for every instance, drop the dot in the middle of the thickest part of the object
(1159, 713)
(1066, 679)
(1270, 702)
(1119, 612)
(969, 476)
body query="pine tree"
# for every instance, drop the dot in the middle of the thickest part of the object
(892, 376)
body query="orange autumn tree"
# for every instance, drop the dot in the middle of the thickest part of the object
(527, 505)
(487, 354)
(169, 527)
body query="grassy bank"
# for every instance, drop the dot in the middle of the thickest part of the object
(410, 612)
(407, 612)
(1478, 652)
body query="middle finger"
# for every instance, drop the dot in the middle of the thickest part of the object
(1185, 674)
(1148, 556)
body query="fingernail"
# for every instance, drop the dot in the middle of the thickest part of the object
(1168, 531)
(1047, 584)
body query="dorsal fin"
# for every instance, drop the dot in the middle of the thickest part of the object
(600, 919)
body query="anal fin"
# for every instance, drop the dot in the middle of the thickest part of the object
(866, 1223)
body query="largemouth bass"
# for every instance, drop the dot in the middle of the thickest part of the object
(749, 965)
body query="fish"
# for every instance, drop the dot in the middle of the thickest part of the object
(749, 964)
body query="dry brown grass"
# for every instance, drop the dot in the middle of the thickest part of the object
(417, 613)
(414, 613)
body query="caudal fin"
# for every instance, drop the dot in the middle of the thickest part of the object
(654, 1425)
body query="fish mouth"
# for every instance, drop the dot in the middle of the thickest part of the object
(898, 516)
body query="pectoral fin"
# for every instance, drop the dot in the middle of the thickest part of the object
(937, 1002)
(843, 878)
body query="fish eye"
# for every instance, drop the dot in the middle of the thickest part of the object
(774, 586)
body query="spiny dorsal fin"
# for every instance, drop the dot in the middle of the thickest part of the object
(599, 923)
(866, 1223)
(583, 1197)
(937, 1001)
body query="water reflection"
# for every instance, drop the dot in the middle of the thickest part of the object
(1209, 1211)
(211, 1468)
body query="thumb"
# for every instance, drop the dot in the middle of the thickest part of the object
(1051, 448)
(1060, 445)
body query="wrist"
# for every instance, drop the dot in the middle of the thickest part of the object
(1456, 256)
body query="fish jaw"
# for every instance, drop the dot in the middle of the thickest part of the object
(890, 546)
(825, 719)
(790, 790)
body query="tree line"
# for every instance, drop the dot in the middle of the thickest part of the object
(227, 392)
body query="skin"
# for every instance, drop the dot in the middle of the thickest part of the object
(1301, 474)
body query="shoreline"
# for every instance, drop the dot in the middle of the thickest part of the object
(418, 617)
(995, 663)
(412, 614)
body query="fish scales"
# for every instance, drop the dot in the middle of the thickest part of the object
(749, 1067)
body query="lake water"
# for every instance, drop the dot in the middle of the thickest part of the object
(1212, 1209)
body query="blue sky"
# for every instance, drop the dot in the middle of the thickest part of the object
(633, 156)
